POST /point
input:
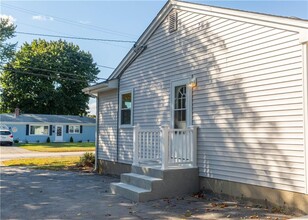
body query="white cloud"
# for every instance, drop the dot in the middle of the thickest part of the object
(92, 108)
(42, 18)
(10, 17)
(84, 22)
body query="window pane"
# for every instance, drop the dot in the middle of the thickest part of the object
(77, 129)
(127, 101)
(126, 117)
(45, 130)
(71, 129)
(38, 130)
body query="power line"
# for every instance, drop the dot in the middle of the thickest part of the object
(79, 61)
(78, 38)
(53, 71)
(46, 76)
(67, 21)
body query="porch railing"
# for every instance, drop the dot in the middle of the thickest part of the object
(165, 146)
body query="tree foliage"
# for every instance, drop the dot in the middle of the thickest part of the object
(7, 31)
(48, 78)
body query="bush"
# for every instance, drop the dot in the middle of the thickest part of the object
(26, 141)
(37, 141)
(80, 141)
(16, 141)
(71, 139)
(87, 159)
(48, 140)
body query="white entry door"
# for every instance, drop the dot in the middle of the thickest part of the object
(59, 133)
(181, 105)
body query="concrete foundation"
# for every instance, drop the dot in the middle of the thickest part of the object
(113, 168)
(263, 195)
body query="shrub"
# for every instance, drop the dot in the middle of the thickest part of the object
(48, 140)
(80, 141)
(26, 141)
(71, 139)
(37, 141)
(87, 159)
(16, 141)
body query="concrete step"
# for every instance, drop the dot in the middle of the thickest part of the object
(151, 171)
(133, 193)
(142, 181)
(149, 183)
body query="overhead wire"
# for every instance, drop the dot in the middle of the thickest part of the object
(74, 37)
(53, 71)
(68, 21)
(46, 76)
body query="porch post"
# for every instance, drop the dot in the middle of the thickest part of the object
(135, 145)
(164, 146)
(194, 144)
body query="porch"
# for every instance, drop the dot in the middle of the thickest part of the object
(164, 164)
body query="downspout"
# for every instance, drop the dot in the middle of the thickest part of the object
(96, 133)
(118, 112)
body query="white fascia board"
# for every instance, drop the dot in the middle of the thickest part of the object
(303, 36)
(262, 19)
(102, 87)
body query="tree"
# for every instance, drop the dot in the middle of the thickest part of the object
(48, 78)
(7, 50)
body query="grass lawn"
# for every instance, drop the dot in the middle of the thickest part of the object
(59, 147)
(47, 163)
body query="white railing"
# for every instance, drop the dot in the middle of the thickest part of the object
(168, 147)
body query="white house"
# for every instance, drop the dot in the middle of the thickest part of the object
(220, 90)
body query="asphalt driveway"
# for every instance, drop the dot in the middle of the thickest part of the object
(40, 194)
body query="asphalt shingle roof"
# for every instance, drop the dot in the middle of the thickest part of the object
(41, 118)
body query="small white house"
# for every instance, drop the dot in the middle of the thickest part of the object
(217, 89)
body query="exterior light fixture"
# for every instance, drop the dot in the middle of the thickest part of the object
(193, 82)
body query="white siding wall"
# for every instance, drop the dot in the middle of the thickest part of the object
(108, 107)
(248, 102)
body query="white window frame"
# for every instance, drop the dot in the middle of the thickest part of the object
(40, 126)
(173, 84)
(74, 126)
(131, 91)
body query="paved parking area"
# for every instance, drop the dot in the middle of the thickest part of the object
(41, 194)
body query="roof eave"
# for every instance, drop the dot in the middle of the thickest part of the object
(102, 87)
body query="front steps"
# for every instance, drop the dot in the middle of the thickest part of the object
(150, 183)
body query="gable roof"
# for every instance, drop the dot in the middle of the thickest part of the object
(41, 118)
(287, 23)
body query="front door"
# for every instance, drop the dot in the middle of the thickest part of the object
(59, 133)
(181, 105)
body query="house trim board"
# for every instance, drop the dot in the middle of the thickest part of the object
(47, 123)
(305, 107)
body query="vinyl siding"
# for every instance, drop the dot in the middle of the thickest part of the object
(248, 102)
(107, 139)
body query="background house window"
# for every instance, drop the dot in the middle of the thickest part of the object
(39, 130)
(126, 108)
(74, 129)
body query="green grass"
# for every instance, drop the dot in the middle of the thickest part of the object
(59, 147)
(47, 163)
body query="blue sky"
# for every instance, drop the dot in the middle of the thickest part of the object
(118, 20)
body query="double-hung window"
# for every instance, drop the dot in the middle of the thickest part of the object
(126, 108)
(39, 129)
(74, 129)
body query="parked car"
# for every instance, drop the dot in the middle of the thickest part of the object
(6, 137)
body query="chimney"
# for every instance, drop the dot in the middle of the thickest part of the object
(17, 112)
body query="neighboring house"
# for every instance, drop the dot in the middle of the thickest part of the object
(239, 77)
(59, 128)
